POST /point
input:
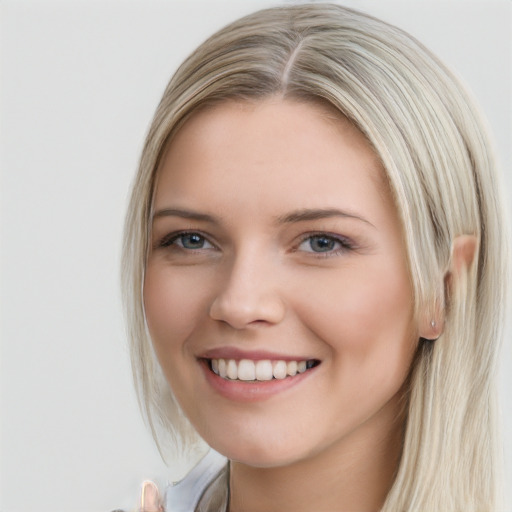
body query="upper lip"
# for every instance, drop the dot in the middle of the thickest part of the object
(254, 355)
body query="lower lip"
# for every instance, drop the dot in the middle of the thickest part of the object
(251, 391)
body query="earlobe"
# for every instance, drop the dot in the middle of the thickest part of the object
(433, 325)
(432, 322)
(463, 253)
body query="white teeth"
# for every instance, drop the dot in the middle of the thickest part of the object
(279, 369)
(291, 368)
(264, 370)
(232, 369)
(222, 368)
(248, 370)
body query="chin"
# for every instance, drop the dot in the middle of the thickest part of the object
(260, 453)
(261, 459)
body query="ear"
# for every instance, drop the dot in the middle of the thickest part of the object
(464, 253)
(432, 323)
(464, 250)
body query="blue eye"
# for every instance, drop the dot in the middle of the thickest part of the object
(323, 244)
(189, 241)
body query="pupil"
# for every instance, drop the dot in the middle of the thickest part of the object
(322, 244)
(192, 241)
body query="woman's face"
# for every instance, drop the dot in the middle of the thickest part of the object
(277, 291)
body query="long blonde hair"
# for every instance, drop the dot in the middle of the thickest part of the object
(432, 144)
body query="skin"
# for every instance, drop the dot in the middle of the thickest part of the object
(331, 441)
(150, 500)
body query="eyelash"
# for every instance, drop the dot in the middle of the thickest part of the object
(345, 244)
(170, 239)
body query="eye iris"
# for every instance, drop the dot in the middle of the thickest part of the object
(322, 243)
(192, 241)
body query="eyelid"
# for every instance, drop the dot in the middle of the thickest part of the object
(346, 243)
(169, 239)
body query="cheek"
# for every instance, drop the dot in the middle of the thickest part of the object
(369, 331)
(365, 316)
(174, 303)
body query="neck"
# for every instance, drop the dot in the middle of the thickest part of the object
(354, 474)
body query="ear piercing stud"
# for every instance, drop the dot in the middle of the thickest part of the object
(433, 325)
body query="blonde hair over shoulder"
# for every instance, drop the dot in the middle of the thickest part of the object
(435, 151)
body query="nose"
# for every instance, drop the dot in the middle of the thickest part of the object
(249, 295)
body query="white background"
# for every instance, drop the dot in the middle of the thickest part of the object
(79, 84)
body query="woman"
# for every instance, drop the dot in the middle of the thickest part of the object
(314, 263)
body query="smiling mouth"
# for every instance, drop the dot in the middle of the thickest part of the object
(247, 370)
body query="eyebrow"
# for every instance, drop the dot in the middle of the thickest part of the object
(296, 216)
(318, 213)
(185, 214)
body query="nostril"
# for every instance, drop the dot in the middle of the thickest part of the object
(249, 310)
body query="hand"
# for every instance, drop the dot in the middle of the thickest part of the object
(150, 498)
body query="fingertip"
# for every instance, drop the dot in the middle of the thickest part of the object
(150, 497)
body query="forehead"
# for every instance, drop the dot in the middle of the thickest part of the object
(273, 149)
